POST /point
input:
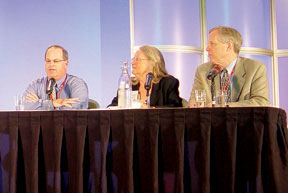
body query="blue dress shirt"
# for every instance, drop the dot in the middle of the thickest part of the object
(74, 87)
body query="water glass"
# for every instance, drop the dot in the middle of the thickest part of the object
(221, 99)
(19, 102)
(135, 99)
(200, 97)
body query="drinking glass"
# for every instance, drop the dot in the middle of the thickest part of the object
(221, 99)
(18, 101)
(135, 99)
(200, 97)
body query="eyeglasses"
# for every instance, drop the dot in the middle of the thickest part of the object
(54, 61)
(138, 59)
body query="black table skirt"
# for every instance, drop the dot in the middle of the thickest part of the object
(205, 150)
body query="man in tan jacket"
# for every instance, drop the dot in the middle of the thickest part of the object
(247, 78)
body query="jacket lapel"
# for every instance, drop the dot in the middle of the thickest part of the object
(154, 94)
(238, 79)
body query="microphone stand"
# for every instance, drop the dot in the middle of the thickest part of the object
(148, 97)
(147, 86)
(213, 91)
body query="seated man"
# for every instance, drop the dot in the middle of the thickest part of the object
(69, 92)
(245, 82)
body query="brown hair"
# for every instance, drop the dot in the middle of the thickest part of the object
(64, 52)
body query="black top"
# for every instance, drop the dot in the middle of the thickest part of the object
(163, 94)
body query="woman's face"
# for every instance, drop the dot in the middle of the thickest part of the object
(141, 65)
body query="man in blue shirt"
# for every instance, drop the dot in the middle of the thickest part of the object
(70, 91)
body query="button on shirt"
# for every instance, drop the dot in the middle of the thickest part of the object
(74, 87)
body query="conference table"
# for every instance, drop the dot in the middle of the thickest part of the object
(160, 150)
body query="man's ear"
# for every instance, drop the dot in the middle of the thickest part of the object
(230, 45)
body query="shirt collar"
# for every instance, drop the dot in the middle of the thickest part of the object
(231, 66)
(59, 82)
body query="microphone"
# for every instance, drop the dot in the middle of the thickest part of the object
(50, 86)
(147, 86)
(216, 70)
(148, 81)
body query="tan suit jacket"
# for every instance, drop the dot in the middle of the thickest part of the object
(250, 83)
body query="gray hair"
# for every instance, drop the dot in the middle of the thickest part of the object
(229, 34)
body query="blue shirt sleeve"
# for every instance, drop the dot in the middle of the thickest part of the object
(37, 87)
(76, 88)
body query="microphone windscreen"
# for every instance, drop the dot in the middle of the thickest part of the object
(216, 70)
(148, 81)
(50, 85)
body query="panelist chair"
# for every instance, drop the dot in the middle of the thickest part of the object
(92, 104)
(184, 103)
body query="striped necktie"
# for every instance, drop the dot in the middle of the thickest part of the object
(225, 84)
(54, 94)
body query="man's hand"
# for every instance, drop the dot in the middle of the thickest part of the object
(32, 97)
(192, 104)
(211, 105)
(64, 102)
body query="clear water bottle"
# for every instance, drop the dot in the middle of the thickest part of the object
(125, 88)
